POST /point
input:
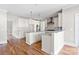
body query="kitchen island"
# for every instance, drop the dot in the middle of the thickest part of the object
(52, 41)
(33, 37)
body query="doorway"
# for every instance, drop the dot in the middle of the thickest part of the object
(77, 32)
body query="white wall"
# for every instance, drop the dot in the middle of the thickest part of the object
(3, 27)
(68, 16)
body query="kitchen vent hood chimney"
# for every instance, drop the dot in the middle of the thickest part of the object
(51, 21)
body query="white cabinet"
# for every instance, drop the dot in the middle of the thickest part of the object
(33, 37)
(46, 43)
(58, 41)
(42, 26)
(52, 42)
(59, 19)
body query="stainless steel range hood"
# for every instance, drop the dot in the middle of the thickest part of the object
(51, 21)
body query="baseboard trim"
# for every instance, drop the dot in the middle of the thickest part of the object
(3, 42)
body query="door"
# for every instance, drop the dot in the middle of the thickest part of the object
(77, 31)
(3, 27)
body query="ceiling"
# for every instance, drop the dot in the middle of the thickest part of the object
(38, 10)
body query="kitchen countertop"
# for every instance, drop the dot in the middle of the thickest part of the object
(54, 31)
(47, 31)
(36, 32)
(51, 32)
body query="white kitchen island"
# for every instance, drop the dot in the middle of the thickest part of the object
(52, 41)
(33, 37)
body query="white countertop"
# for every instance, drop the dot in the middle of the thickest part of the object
(54, 31)
(37, 32)
(51, 32)
(45, 32)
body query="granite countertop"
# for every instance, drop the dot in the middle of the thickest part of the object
(54, 31)
(51, 32)
(37, 32)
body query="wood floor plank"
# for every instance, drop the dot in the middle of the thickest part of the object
(68, 50)
(20, 47)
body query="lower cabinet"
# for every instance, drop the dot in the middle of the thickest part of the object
(53, 42)
(33, 37)
(46, 43)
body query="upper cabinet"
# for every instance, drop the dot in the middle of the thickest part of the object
(54, 22)
(35, 24)
(59, 19)
(43, 25)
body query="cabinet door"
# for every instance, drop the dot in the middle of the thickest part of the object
(37, 37)
(42, 26)
(58, 41)
(46, 43)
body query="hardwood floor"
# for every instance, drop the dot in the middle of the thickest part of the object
(19, 47)
(68, 50)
